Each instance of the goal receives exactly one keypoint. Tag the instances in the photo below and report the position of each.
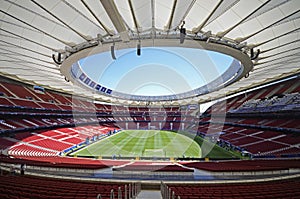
(154, 153)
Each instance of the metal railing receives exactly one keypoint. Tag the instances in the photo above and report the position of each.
(167, 193)
(130, 192)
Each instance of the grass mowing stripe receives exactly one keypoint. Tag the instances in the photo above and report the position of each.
(108, 146)
(133, 145)
(121, 142)
(134, 142)
(149, 144)
(124, 146)
(184, 145)
(176, 146)
(158, 141)
(167, 137)
(139, 146)
(173, 148)
(126, 143)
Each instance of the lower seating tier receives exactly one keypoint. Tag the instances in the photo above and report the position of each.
(245, 165)
(16, 187)
(265, 190)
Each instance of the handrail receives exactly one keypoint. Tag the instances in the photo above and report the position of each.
(112, 195)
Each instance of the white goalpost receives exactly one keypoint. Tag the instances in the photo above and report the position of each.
(154, 153)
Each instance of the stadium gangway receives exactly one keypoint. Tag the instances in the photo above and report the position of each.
(129, 193)
(166, 192)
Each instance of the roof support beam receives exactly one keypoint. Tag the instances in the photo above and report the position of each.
(199, 28)
(257, 32)
(186, 12)
(116, 18)
(28, 24)
(168, 26)
(280, 53)
(36, 13)
(153, 33)
(275, 38)
(276, 47)
(32, 64)
(46, 10)
(20, 54)
(37, 43)
(297, 55)
(39, 67)
(21, 47)
(280, 63)
(79, 12)
(97, 19)
(134, 18)
(222, 34)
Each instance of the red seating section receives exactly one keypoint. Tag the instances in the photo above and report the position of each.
(4, 143)
(23, 150)
(290, 86)
(18, 90)
(264, 190)
(15, 187)
(245, 165)
(19, 95)
(254, 140)
(268, 132)
(49, 143)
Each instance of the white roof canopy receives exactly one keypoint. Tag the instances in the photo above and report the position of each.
(31, 31)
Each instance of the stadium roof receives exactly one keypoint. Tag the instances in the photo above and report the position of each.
(32, 31)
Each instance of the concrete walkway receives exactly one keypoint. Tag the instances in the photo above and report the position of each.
(149, 194)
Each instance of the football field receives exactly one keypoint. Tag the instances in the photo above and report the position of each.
(143, 143)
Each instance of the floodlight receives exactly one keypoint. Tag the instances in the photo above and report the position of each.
(138, 49)
(112, 51)
(58, 60)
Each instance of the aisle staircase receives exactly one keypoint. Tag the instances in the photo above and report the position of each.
(149, 194)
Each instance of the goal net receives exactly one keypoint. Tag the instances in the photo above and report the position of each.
(154, 153)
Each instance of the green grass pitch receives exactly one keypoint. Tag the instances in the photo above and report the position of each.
(143, 143)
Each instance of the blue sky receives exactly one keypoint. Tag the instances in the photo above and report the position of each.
(158, 71)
